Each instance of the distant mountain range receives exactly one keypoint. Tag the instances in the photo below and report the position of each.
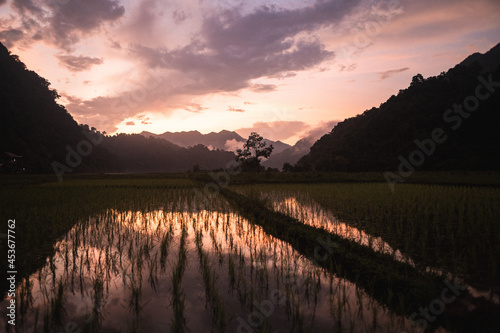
(223, 140)
(230, 140)
(446, 122)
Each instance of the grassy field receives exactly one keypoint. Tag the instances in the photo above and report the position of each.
(154, 239)
(455, 228)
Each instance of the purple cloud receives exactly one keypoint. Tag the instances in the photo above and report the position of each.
(78, 63)
(232, 49)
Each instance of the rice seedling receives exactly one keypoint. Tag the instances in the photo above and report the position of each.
(211, 290)
(445, 227)
(133, 243)
(178, 298)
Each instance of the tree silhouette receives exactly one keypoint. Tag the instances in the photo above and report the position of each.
(254, 150)
(417, 79)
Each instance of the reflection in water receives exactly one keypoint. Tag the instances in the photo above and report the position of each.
(183, 268)
(300, 206)
(309, 212)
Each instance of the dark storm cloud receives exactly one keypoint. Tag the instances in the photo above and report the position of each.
(232, 49)
(142, 20)
(224, 71)
(78, 63)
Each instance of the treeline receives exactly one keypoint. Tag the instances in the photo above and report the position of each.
(33, 125)
(398, 131)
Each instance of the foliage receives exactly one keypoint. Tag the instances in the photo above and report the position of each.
(454, 228)
(373, 140)
(124, 230)
(137, 153)
(36, 127)
(376, 272)
(254, 150)
(33, 124)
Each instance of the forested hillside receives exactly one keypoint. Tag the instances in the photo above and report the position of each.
(464, 103)
(38, 135)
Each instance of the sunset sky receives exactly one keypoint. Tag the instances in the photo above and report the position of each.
(281, 68)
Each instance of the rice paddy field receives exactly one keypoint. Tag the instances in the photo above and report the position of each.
(163, 254)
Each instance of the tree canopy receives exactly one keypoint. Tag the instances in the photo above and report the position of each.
(253, 151)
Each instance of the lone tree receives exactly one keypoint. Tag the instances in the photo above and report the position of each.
(254, 150)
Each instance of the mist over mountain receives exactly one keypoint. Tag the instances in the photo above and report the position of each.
(302, 147)
(223, 140)
(457, 110)
(290, 155)
(193, 138)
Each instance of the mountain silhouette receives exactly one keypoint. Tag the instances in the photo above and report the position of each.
(223, 140)
(140, 154)
(37, 135)
(34, 126)
(193, 138)
(488, 61)
(391, 136)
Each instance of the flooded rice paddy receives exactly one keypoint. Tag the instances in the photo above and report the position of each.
(195, 268)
